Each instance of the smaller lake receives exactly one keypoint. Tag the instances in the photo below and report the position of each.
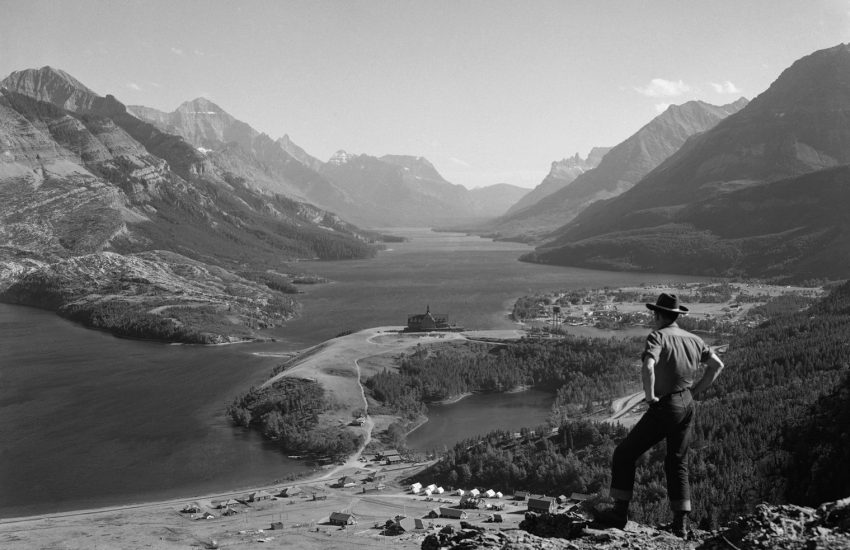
(478, 414)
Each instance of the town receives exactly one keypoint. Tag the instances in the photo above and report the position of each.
(719, 308)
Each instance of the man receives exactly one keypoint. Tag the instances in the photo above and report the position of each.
(670, 360)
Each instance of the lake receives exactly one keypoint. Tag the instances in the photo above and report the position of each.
(88, 420)
(480, 413)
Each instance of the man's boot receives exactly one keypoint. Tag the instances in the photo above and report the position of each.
(680, 526)
(617, 516)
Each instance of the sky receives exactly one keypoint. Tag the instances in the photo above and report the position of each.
(490, 91)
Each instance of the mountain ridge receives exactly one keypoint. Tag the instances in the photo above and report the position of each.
(618, 170)
(798, 126)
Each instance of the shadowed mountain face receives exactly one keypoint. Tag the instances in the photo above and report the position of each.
(80, 177)
(755, 195)
(617, 171)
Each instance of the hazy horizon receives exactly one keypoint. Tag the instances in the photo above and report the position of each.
(489, 92)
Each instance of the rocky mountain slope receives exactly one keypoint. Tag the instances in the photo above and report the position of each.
(562, 173)
(622, 167)
(742, 198)
(80, 176)
(234, 146)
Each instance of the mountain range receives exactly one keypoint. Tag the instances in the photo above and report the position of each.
(562, 198)
(88, 192)
(760, 194)
(392, 190)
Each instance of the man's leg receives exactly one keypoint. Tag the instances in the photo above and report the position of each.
(676, 466)
(646, 433)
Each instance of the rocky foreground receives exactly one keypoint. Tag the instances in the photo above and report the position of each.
(786, 527)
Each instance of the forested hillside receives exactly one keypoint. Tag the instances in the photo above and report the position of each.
(287, 412)
(597, 369)
(773, 428)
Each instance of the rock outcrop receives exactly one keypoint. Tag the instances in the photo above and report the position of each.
(785, 527)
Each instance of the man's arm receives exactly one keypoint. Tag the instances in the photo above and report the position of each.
(715, 365)
(647, 374)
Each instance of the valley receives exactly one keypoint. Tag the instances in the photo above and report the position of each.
(138, 244)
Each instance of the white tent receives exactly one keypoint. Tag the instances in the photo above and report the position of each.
(499, 494)
(431, 487)
(415, 486)
(460, 492)
(428, 492)
(475, 492)
(440, 491)
(490, 493)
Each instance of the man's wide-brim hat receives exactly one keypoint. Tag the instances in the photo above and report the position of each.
(669, 303)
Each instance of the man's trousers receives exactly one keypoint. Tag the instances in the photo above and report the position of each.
(670, 418)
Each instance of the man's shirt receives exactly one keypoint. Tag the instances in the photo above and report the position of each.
(677, 355)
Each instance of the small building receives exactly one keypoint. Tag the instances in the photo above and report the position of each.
(276, 526)
(259, 495)
(346, 481)
(562, 499)
(229, 512)
(452, 513)
(342, 518)
(497, 518)
(226, 503)
(193, 508)
(388, 453)
(405, 523)
(435, 513)
(541, 504)
(578, 497)
(521, 495)
(417, 524)
(394, 459)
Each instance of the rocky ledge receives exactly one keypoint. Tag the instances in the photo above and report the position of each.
(785, 527)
